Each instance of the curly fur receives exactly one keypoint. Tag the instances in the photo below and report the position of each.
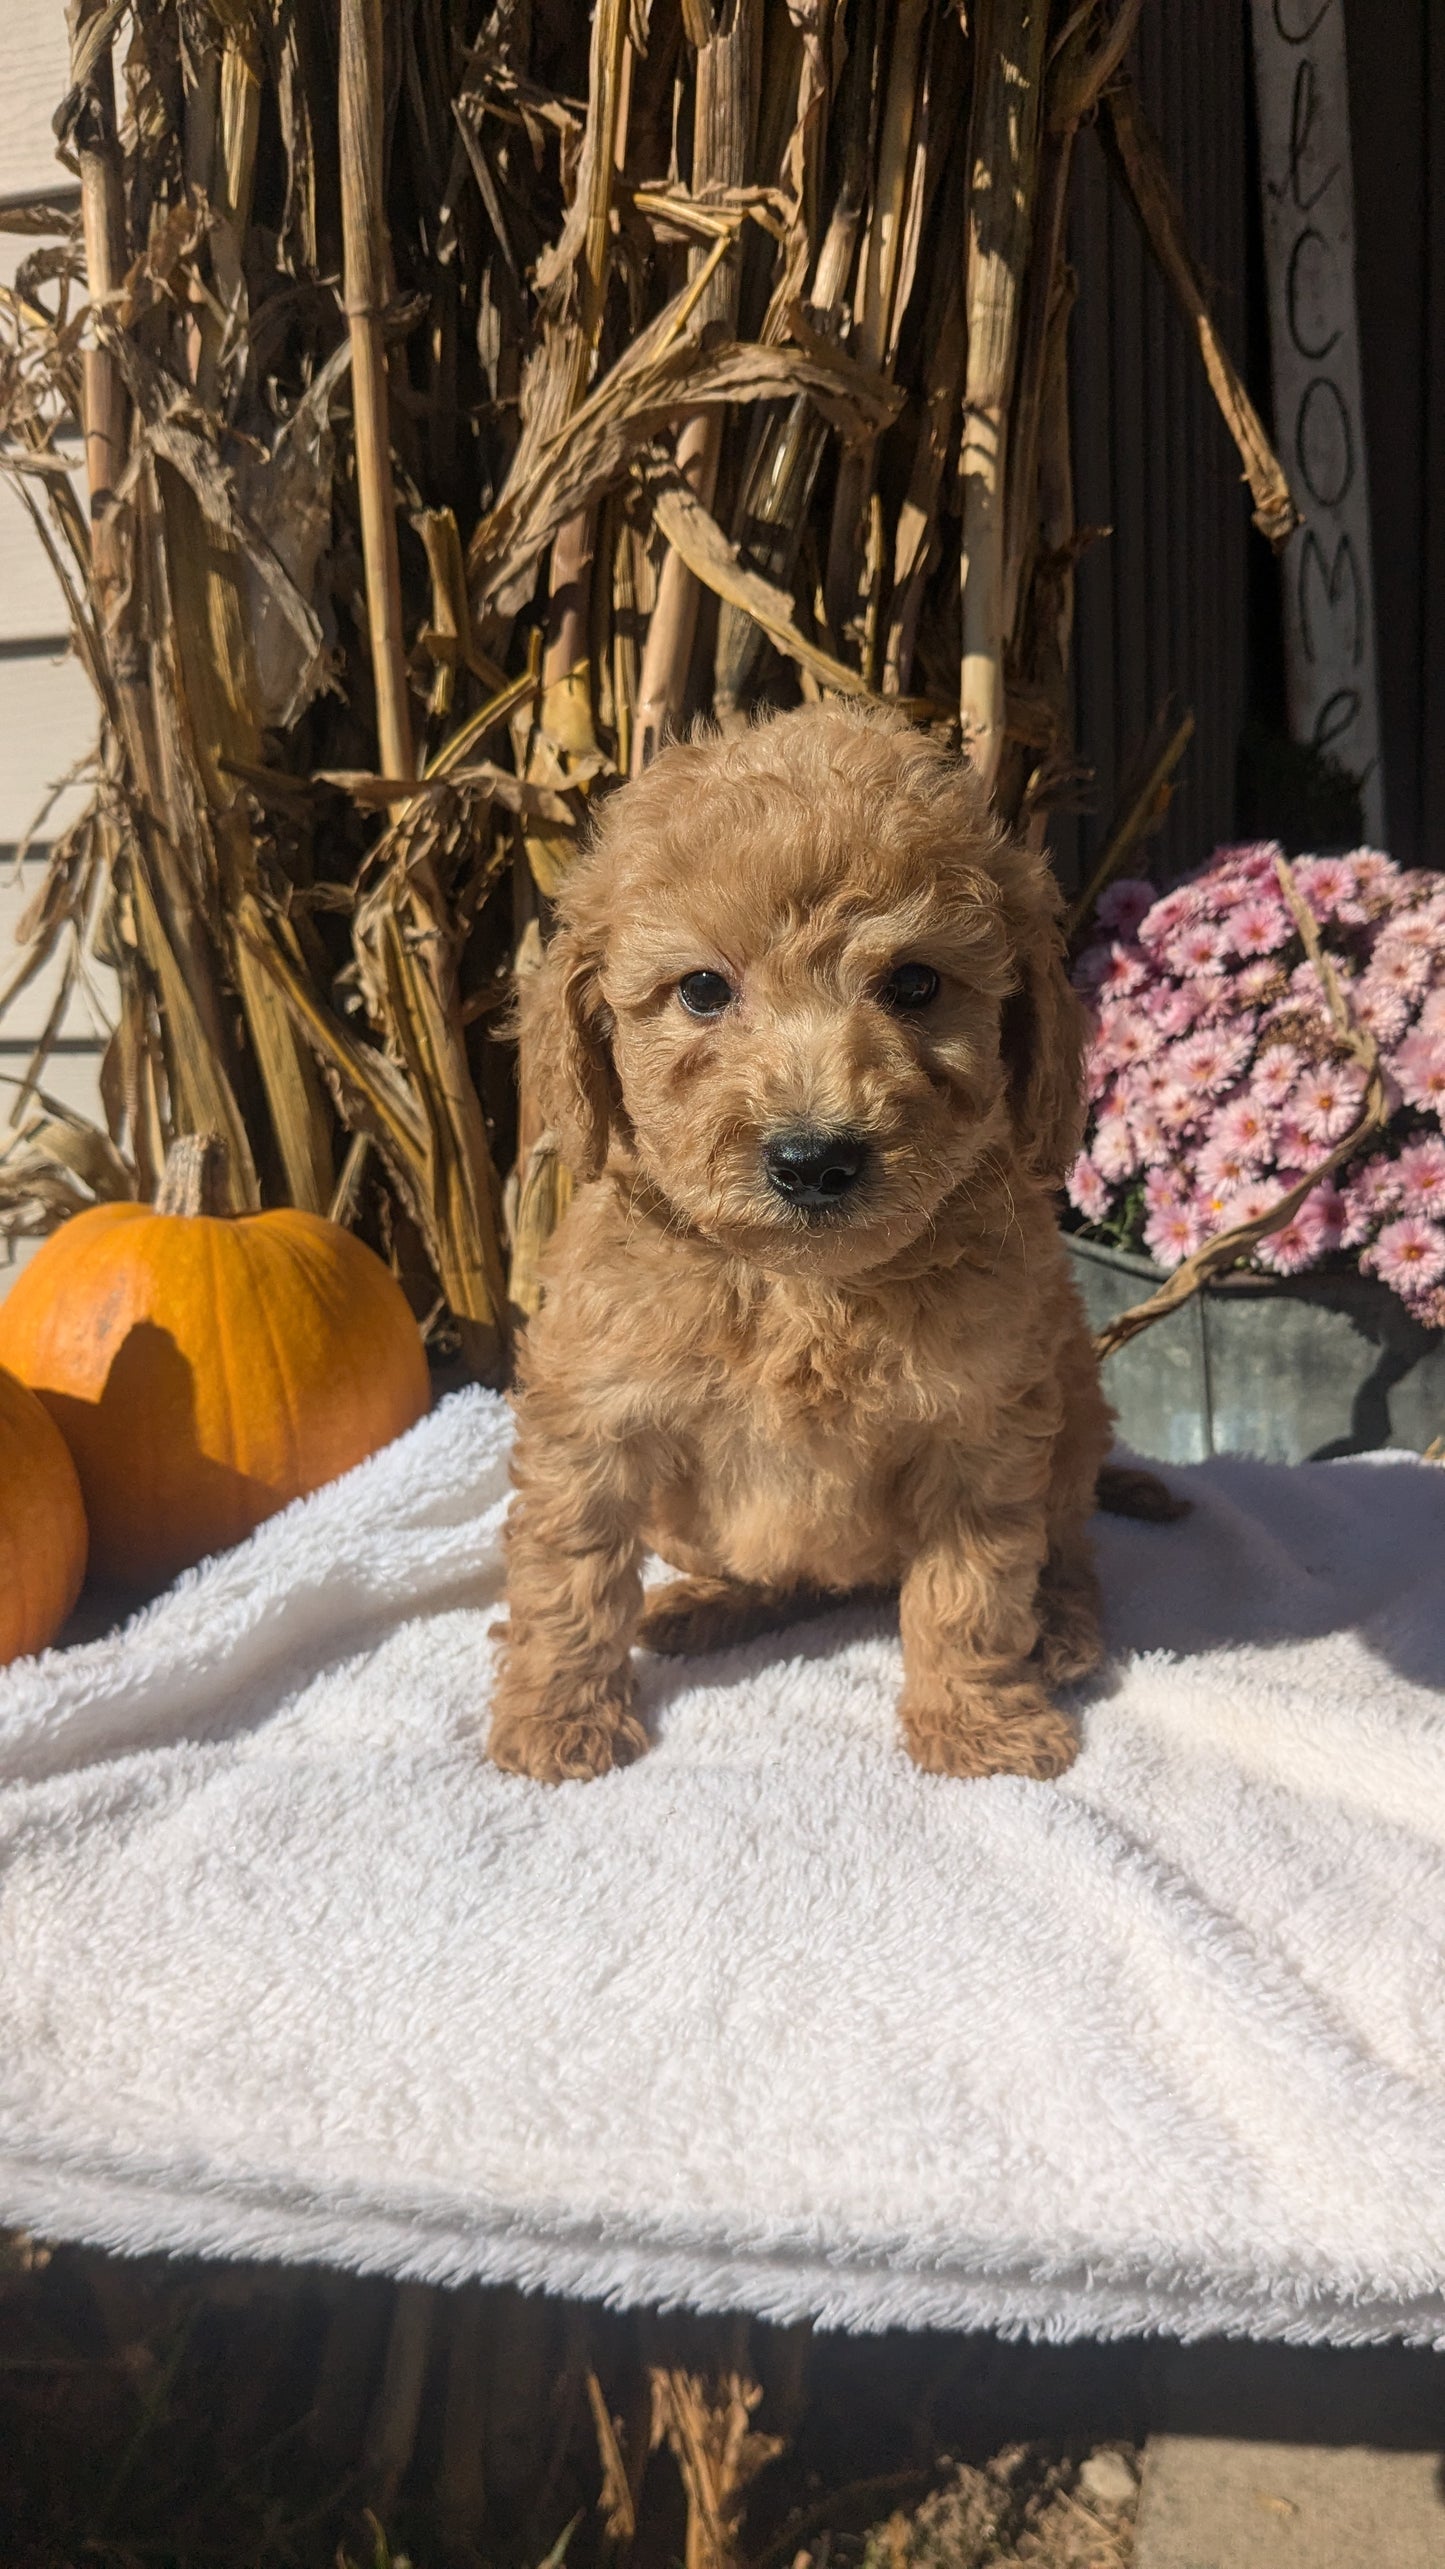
(899, 1394)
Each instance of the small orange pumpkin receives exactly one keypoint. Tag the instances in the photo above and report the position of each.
(204, 1371)
(42, 1525)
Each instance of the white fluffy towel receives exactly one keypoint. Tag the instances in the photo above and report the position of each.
(770, 2020)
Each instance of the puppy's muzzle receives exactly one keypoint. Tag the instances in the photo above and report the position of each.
(814, 1171)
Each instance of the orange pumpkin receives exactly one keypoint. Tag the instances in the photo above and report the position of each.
(42, 1525)
(204, 1371)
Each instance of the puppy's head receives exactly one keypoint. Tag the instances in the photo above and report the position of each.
(805, 983)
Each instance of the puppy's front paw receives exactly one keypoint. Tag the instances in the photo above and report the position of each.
(973, 1728)
(565, 1747)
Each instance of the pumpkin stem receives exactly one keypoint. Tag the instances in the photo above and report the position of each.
(194, 1179)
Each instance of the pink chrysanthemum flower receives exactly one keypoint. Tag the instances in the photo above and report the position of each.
(1274, 1074)
(1125, 970)
(1211, 1059)
(1326, 1101)
(1253, 860)
(1420, 1171)
(1325, 881)
(1293, 1148)
(1123, 905)
(1197, 950)
(1247, 1124)
(1136, 1084)
(1151, 1141)
(1087, 1190)
(1177, 1106)
(1124, 1038)
(1412, 932)
(1289, 1250)
(1409, 1254)
(1297, 1244)
(1428, 1306)
(1173, 1012)
(1375, 881)
(1171, 912)
(1165, 1187)
(1258, 927)
(1398, 966)
(1432, 1014)
(1221, 1167)
(1210, 1204)
(1220, 1004)
(1250, 1200)
(1380, 1006)
(1173, 1234)
(1326, 1209)
(1419, 1067)
(1113, 1148)
(1372, 1192)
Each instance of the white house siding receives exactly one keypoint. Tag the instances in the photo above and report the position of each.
(34, 53)
(47, 719)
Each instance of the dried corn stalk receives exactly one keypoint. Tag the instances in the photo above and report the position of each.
(727, 43)
(708, 2426)
(687, 356)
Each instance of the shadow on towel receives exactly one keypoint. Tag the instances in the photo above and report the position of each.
(1272, 1554)
(1276, 1554)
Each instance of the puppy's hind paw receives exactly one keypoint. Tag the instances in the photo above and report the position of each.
(565, 1748)
(1070, 1644)
(690, 1616)
(1008, 1728)
(1123, 1490)
(1067, 1655)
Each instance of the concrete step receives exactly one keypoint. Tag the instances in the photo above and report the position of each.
(1268, 2458)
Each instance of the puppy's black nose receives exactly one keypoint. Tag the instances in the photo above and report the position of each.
(814, 1169)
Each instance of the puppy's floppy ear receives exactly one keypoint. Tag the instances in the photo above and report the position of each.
(1044, 1022)
(565, 1027)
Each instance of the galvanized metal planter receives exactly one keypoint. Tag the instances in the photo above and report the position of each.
(1294, 1371)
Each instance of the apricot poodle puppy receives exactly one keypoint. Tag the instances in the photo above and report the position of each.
(806, 1042)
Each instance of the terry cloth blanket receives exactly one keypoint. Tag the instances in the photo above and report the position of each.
(770, 2020)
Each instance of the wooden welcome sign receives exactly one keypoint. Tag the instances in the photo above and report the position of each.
(1309, 236)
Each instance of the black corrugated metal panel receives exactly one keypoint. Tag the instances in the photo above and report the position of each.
(1161, 602)
(1430, 842)
(1397, 118)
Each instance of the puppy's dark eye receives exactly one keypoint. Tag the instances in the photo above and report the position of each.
(705, 994)
(909, 986)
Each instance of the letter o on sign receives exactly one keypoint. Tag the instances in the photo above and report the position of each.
(1323, 443)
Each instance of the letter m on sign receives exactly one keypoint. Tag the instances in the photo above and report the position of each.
(1331, 600)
